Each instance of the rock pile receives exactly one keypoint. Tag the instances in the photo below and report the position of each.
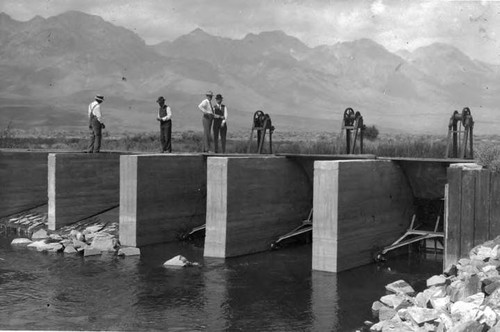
(27, 222)
(466, 297)
(87, 240)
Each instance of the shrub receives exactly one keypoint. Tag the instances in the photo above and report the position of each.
(488, 155)
(371, 133)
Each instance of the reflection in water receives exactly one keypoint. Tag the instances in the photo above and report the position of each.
(324, 301)
(268, 291)
(215, 296)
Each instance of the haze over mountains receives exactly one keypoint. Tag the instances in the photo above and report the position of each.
(50, 69)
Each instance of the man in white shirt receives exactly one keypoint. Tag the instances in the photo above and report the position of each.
(95, 124)
(208, 117)
(220, 124)
(165, 118)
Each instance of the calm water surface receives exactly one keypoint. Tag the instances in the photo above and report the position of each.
(272, 291)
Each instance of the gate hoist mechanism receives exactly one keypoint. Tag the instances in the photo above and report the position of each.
(261, 123)
(352, 124)
(304, 228)
(460, 135)
(416, 233)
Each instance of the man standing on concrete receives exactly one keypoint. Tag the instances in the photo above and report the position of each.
(95, 124)
(165, 118)
(220, 124)
(208, 117)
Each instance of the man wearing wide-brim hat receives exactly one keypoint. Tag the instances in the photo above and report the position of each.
(165, 118)
(96, 124)
(207, 119)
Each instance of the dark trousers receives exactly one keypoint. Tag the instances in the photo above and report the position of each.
(222, 130)
(207, 128)
(166, 135)
(95, 136)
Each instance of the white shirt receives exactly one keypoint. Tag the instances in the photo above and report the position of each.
(94, 107)
(206, 107)
(168, 116)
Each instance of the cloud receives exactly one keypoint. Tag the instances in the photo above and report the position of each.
(396, 24)
(377, 7)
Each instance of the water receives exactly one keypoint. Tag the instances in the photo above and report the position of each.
(271, 291)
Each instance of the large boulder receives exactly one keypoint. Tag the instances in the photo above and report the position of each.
(493, 300)
(104, 242)
(400, 286)
(488, 317)
(48, 247)
(39, 234)
(55, 237)
(70, 250)
(490, 288)
(79, 244)
(386, 313)
(464, 311)
(440, 303)
(177, 261)
(91, 252)
(392, 300)
(468, 326)
(422, 315)
(21, 242)
(376, 308)
(436, 280)
(129, 251)
(93, 229)
(37, 244)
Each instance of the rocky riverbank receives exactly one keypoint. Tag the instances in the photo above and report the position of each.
(465, 298)
(89, 237)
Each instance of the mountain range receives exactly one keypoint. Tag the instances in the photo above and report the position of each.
(50, 69)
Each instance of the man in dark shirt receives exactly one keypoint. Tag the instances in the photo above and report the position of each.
(165, 118)
(220, 124)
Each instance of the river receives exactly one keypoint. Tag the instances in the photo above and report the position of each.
(270, 291)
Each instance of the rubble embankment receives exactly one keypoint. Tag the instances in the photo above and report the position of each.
(465, 298)
(89, 237)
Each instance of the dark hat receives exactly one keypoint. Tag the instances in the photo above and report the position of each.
(160, 98)
(209, 93)
(219, 96)
(99, 98)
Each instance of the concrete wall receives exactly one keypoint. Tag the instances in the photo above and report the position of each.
(359, 207)
(161, 196)
(23, 180)
(81, 185)
(251, 201)
(427, 176)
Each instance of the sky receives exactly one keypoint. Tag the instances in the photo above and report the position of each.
(471, 26)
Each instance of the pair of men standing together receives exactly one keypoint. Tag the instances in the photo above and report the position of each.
(212, 115)
(216, 116)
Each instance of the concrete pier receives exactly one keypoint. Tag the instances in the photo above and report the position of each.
(251, 201)
(160, 197)
(23, 180)
(81, 185)
(359, 207)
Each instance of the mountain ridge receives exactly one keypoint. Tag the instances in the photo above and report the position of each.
(63, 60)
